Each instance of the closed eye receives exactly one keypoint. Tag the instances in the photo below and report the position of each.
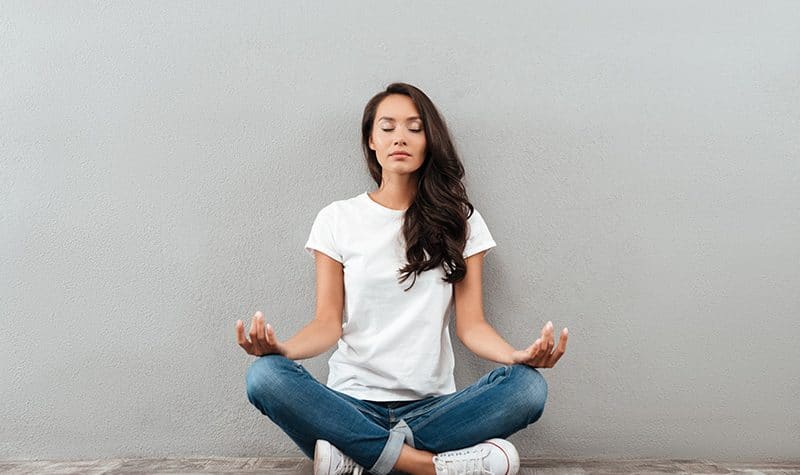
(412, 130)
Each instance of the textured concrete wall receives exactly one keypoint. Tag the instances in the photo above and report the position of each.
(637, 163)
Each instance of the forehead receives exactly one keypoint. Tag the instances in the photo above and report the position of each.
(397, 107)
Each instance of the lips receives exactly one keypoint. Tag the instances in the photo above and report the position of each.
(399, 154)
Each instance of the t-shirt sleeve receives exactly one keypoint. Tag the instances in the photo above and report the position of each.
(322, 236)
(478, 238)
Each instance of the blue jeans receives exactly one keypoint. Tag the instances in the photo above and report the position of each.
(502, 402)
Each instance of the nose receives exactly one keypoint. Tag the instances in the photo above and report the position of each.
(399, 138)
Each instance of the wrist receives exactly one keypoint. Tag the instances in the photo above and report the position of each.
(286, 351)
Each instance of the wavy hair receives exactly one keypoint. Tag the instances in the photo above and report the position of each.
(435, 225)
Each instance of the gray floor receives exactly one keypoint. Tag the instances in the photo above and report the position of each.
(287, 466)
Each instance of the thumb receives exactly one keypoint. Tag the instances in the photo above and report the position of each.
(532, 346)
(518, 356)
(531, 350)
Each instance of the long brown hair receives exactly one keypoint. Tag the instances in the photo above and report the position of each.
(435, 225)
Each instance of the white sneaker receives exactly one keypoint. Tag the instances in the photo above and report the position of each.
(328, 460)
(494, 456)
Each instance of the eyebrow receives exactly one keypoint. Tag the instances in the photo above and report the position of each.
(414, 117)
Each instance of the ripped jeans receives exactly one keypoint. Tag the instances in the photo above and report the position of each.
(502, 402)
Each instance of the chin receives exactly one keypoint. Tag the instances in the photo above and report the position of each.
(403, 167)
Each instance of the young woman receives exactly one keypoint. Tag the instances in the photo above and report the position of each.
(390, 403)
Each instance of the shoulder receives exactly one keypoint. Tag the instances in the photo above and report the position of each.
(338, 205)
(475, 215)
(476, 218)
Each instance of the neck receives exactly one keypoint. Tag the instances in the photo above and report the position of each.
(396, 192)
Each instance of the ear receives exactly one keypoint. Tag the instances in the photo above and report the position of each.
(371, 145)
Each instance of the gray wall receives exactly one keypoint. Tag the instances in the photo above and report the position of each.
(636, 162)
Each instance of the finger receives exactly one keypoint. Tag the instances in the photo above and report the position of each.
(535, 349)
(267, 336)
(253, 330)
(271, 335)
(262, 333)
(536, 358)
(562, 346)
(549, 339)
(254, 334)
(262, 338)
(240, 338)
(553, 358)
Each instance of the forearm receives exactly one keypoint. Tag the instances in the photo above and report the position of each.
(485, 342)
(313, 339)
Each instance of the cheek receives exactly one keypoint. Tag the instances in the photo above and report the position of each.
(380, 142)
(423, 144)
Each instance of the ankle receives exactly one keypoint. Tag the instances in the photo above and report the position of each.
(416, 462)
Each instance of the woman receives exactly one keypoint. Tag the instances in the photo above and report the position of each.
(390, 403)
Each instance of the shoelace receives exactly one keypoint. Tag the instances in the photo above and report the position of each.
(347, 465)
(462, 462)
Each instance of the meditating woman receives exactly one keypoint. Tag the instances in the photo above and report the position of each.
(390, 403)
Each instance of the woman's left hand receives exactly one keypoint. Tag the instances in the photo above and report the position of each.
(540, 354)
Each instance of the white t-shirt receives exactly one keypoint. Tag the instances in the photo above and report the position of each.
(395, 345)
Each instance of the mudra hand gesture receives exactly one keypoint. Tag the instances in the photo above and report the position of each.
(540, 354)
(262, 340)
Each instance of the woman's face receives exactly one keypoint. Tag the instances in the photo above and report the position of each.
(398, 128)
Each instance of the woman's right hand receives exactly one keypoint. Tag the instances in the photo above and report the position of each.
(262, 341)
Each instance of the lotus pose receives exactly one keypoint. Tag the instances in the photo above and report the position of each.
(391, 264)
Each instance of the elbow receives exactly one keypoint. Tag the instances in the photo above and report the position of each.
(333, 328)
(467, 326)
(331, 322)
(462, 333)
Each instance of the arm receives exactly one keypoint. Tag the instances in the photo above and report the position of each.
(326, 328)
(471, 327)
(317, 336)
(477, 335)
(313, 339)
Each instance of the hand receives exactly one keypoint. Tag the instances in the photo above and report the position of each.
(263, 341)
(539, 355)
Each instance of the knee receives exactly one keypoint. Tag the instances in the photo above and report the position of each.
(266, 377)
(532, 391)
